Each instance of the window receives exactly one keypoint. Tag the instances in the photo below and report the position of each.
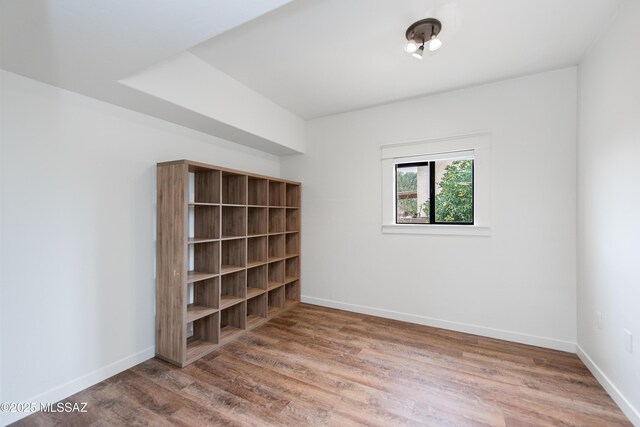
(435, 192)
(439, 186)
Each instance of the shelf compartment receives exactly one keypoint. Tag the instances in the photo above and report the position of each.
(234, 189)
(232, 321)
(257, 279)
(195, 312)
(204, 186)
(195, 276)
(276, 220)
(204, 221)
(258, 191)
(234, 221)
(256, 309)
(276, 193)
(203, 261)
(292, 291)
(256, 250)
(276, 247)
(275, 274)
(257, 221)
(291, 269)
(293, 195)
(293, 219)
(203, 337)
(292, 244)
(203, 298)
(232, 287)
(275, 301)
(233, 255)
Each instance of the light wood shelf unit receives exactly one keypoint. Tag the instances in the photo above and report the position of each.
(227, 255)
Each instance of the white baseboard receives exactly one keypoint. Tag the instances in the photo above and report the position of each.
(632, 413)
(446, 324)
(74, 386)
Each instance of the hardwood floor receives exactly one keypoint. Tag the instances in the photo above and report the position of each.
(317, 366)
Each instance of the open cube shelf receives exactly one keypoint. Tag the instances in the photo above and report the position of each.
(256, 309)
(234, 221)
(203, 298)
(276, 274)
(291, 269)
(276, 220)
(276, 247)
(204, 260)
(276, 193)
(234, 256)
(204, 222)
(292, 244)
(257, 278)
(258, 192)
(292, 293)
(256, 251)
(275, 301)
(257, 221)
(203, 337)
(293, 195)
(234, 189)
(204, 185)
(293, 220)
(232, 233)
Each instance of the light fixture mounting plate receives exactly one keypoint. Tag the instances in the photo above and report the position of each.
(421, 31)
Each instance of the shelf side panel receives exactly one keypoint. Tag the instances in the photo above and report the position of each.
(171, 261)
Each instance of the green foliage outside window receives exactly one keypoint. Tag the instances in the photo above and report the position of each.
(454, 198)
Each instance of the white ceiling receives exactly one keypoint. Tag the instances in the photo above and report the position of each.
(311, 57)
(317, 58)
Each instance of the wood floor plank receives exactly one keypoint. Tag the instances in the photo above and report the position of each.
(318, 366)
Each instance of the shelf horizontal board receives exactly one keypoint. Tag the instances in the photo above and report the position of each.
(203, 204)
(274, 285)
(227, 333)
(234, 205)
(253, 321)
(292, 255)
(255, 263)
(275, 258)
(229, 300)
(195, 240)
(254, 292)
(226, 269)
(257, 206)
(290, 279)
(196, 276)
(233, 237)
(198, 348)
(257, 235)
(195, 312)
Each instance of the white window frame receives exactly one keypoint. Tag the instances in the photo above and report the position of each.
(476, 145)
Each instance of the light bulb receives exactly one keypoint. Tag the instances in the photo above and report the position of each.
(418, 53)
(410, 47)
(434, 44)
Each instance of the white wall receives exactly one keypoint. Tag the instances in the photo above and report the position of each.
(609, 208)
(517, 284)
(78, 194)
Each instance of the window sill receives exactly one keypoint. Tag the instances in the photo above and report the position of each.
(452, 230)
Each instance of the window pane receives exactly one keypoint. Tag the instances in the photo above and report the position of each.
(454, 191)
(412, 194)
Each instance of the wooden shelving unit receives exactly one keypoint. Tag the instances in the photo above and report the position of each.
(227, 255)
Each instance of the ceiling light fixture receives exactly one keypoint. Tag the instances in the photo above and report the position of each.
(421, 33)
